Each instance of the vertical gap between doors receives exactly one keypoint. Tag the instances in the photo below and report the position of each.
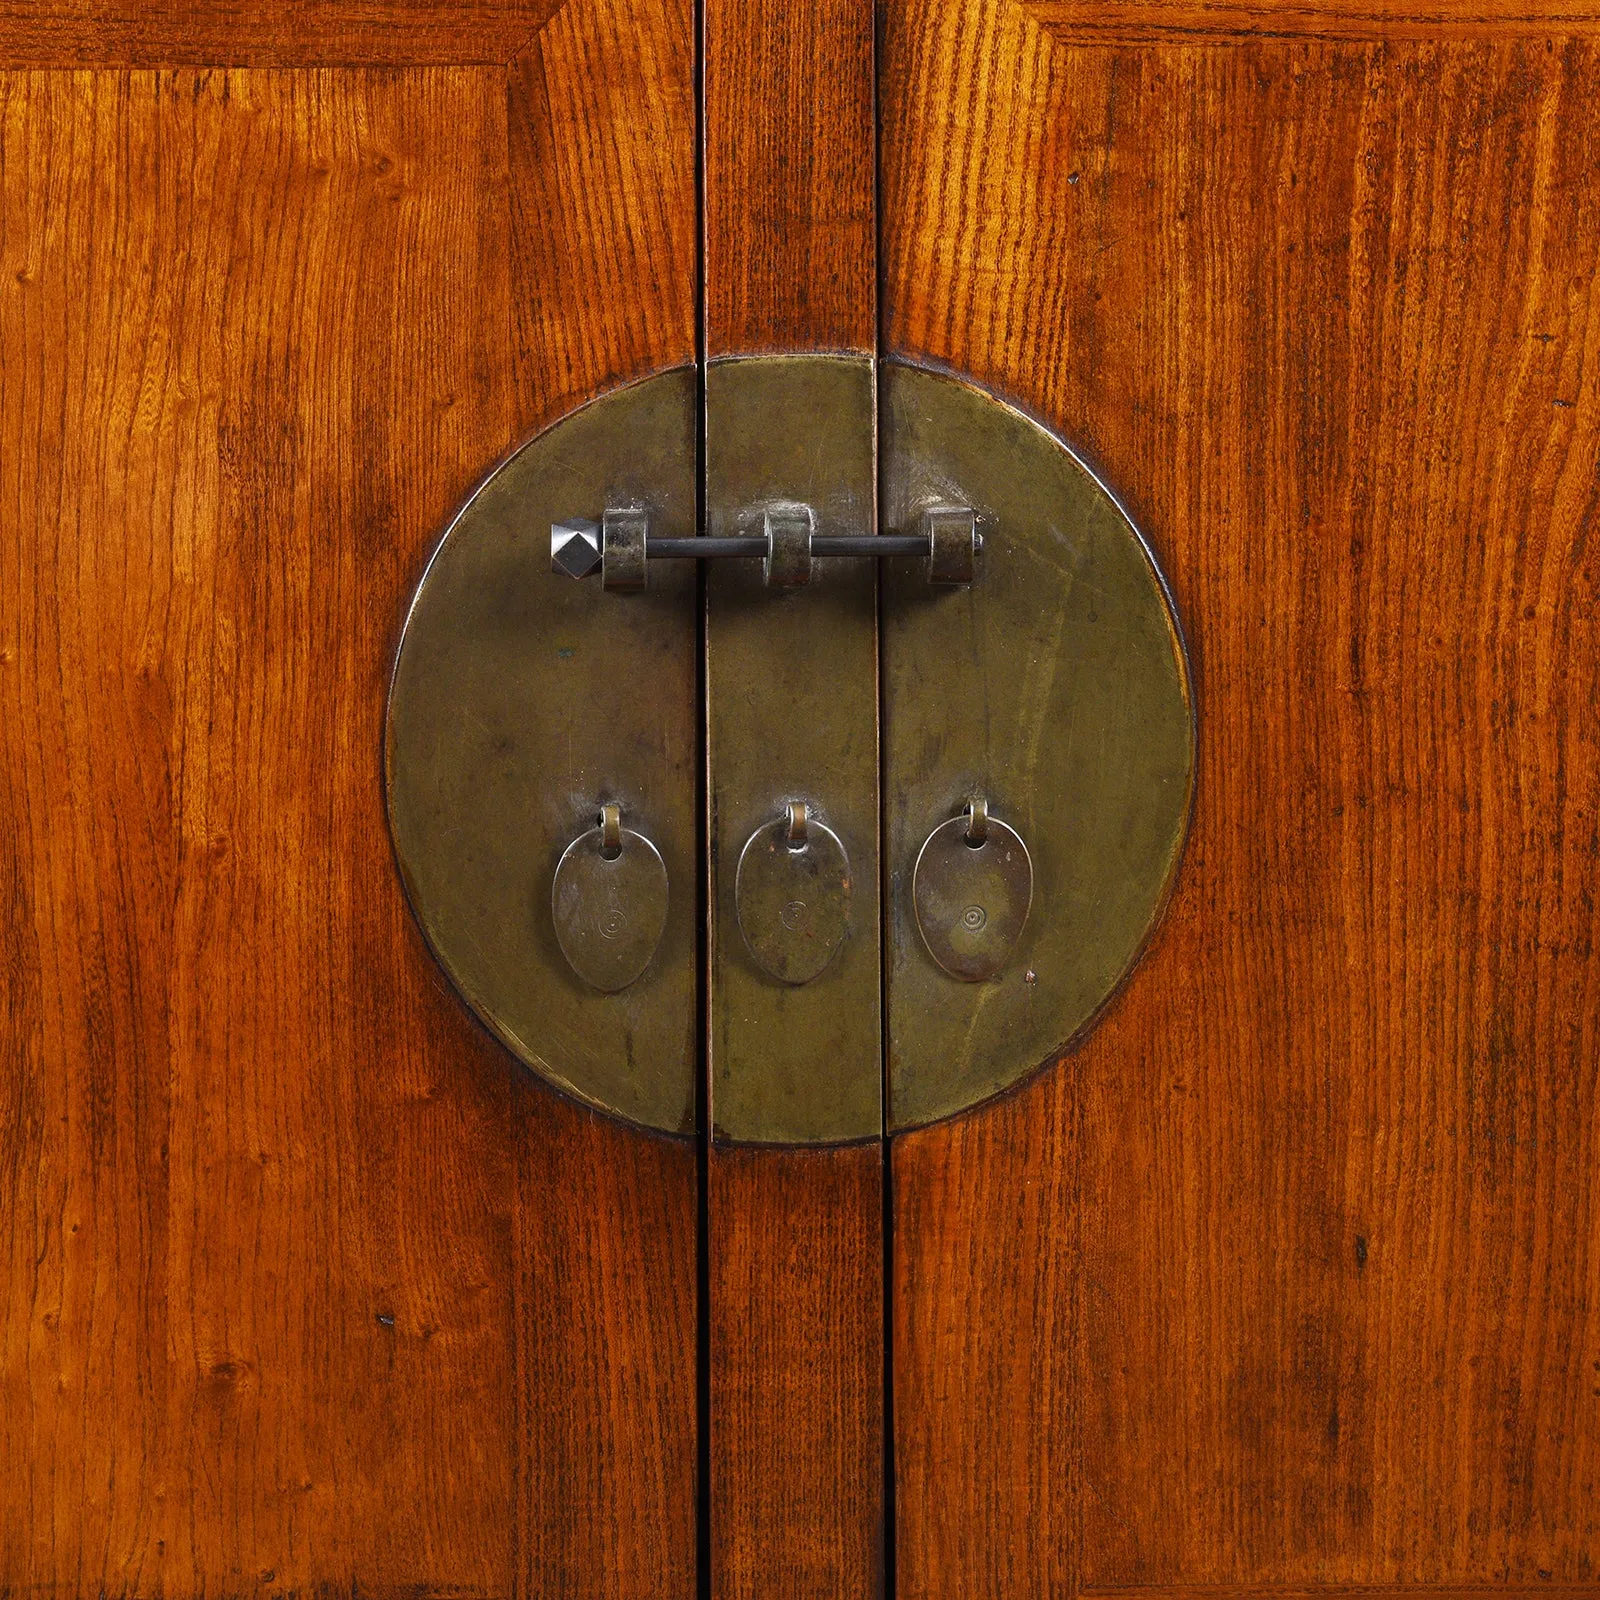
(885, 874)
(702, 886)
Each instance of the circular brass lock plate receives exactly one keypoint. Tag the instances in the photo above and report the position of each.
(522, 703)
(1056, 686)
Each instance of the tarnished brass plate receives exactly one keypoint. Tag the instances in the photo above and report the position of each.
(522, 702)
(1056, 685)
(792, 715)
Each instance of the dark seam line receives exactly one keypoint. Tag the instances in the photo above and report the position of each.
(885, 904)
(703, 878)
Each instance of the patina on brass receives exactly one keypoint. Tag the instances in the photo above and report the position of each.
(792, 713)
(971, 889)
(793, 895)
(609, 902)
(1056, 686)
(522, 704)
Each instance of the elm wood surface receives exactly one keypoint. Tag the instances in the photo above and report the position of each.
(290, 1249)
(1348, 1591)
(1154, 21)
(270, 33)
(794, 1238)
(603, 210)
(1326, 315)
(796, 1343)
(790, 246)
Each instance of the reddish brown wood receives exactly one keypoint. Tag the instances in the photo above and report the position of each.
(603, 200)
(601, 124)
(1327, 315)
(796, 1295)
(986, 1271)
(1155, 21)
(303, 1284)
(266, 33)
(795, 1238)
(605, 1288)
(257, 1225)
(790, 246)
(1349, 1591)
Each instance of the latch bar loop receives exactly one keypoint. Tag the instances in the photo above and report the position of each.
(579, 547)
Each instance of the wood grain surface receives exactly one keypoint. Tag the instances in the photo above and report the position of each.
(303, 1284)
(795, 1238)
(796, 1344)
(268, 33)
(603, 207)
(1325, 314)
(790, 248)
(1161, 21)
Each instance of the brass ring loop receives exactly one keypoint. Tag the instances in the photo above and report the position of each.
(610, 830)
(977, 834)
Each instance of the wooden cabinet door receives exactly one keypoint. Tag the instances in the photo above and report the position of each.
(1287, 1281)
(305, 1286)
(1284, 1282)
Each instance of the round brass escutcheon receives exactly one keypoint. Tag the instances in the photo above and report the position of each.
(1031, 668)
(1056, 686)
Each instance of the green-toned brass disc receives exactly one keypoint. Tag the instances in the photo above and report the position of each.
(1056, 686)
(523, 701)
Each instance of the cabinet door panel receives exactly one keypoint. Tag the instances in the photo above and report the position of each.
(306, 1284)
(1324, 311)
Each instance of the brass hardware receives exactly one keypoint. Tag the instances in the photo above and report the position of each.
(953, 544)
(793, 895)
(575, 547)
(798, 816)
(504, 728)
(976, 829)
(611, 831)
(787, 530)
(971, 888)
(792, 710)
(1034, 686)
(1056, 686)
(622, 559)
(609, 902)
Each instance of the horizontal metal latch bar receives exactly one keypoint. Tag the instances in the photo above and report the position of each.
(881, 545)
(620, 546)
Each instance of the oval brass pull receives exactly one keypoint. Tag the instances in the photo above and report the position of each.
(609, 901)
(972, 889)
(793, 895)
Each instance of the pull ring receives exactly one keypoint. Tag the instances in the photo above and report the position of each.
(798, 814)
(977, 829)
(609, 901)
(610, 821)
